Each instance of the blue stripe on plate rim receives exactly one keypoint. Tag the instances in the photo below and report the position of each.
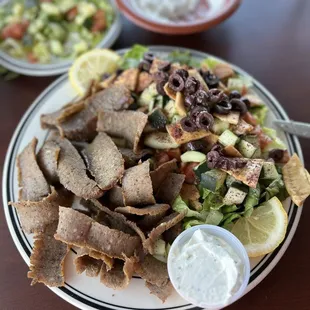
(71, 294)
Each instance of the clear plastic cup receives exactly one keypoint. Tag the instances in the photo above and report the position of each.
(236, 246)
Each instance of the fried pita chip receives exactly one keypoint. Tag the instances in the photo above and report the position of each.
(119, 276)
(180, 136)
(170, 188)
(47, 160)
(128, 78)
(77, 229)
(105, 162)
(160, 173)
(47, 258)
(125, 124)
(165, 224)
(144, 80)
(36, 215)
(137, 185)
(30, 178)
(162, 292)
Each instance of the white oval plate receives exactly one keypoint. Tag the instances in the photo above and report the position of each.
(88, 293)
(59, 66)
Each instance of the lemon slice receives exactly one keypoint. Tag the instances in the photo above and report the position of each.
(91, 66)
(264, 230)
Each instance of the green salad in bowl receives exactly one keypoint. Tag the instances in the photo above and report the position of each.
(44, 31)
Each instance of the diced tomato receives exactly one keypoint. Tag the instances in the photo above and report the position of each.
(99, 21)
(249, 118)
(71, 14)
(187, 170)
(15, 31)
(32, 58)
(174, 153)
(264, 140)
(161, 158)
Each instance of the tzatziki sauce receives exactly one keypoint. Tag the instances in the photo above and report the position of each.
(206, 269)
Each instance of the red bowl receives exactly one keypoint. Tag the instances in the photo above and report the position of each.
(185, 27)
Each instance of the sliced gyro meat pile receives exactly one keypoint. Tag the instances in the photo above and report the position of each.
(32, 183)
(125, 124)
(77, 229)
(81, 125)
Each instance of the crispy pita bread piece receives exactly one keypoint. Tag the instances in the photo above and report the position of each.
(105, 162)
(83, 262)
(77, 229)
(161, 173)
(165, 224)
(36, 215)
(47, 258)
(72, 171)
(124, 124)
(137, 185)
(162, 292)
(144, 80)
(152, 270)
(81, 126)
(170, 188)
(132, 159)
(47, 160)
(119, 276)
(128, 78)
(181, 136)
(149, 210)
(30, 178)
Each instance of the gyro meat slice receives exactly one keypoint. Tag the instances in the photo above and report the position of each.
(105, 162)
(47, 258)
(165, 224)
(77, 229)
(36, 215)
(137, 185)
(160, 173)
(131, 158)
(162, 292)
(72, 171)
(119, 276)
(170, 188)
(47, 160)
(148, 222)
(84, 262)
(149, 210)
(31, 180)
(125, 124)
(152, 270)
(115, 197)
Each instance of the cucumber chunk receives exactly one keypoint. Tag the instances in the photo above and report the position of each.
(228, 138)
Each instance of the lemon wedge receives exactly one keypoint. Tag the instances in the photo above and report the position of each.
(264, 230)
(91, 66)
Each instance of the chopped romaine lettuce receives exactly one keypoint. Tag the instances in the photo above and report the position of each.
(180, 206)
(251, 200)
(210, 63)
(133, 56)
(276, 188)
(229, 218)
(241, 84)
(276, 143)
(259, 113)
(229, 209)
(213, 201)
(184, 58)
(213, 217)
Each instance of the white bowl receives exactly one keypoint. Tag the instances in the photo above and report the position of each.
(232, 241)
(59, 66)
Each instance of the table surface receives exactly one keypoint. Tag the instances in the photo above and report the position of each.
(271, 42)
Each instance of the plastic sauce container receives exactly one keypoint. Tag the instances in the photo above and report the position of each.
(215, 258)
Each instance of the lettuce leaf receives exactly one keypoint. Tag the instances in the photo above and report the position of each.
(276, 188)
(179, 205)
(184, 58)
(259, 114)
(133, 56)
(252, 200)
(213, 202)
(210, 62)
(276, 143)
(214, 217)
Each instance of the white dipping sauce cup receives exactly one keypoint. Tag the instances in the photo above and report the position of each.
(236, 245)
